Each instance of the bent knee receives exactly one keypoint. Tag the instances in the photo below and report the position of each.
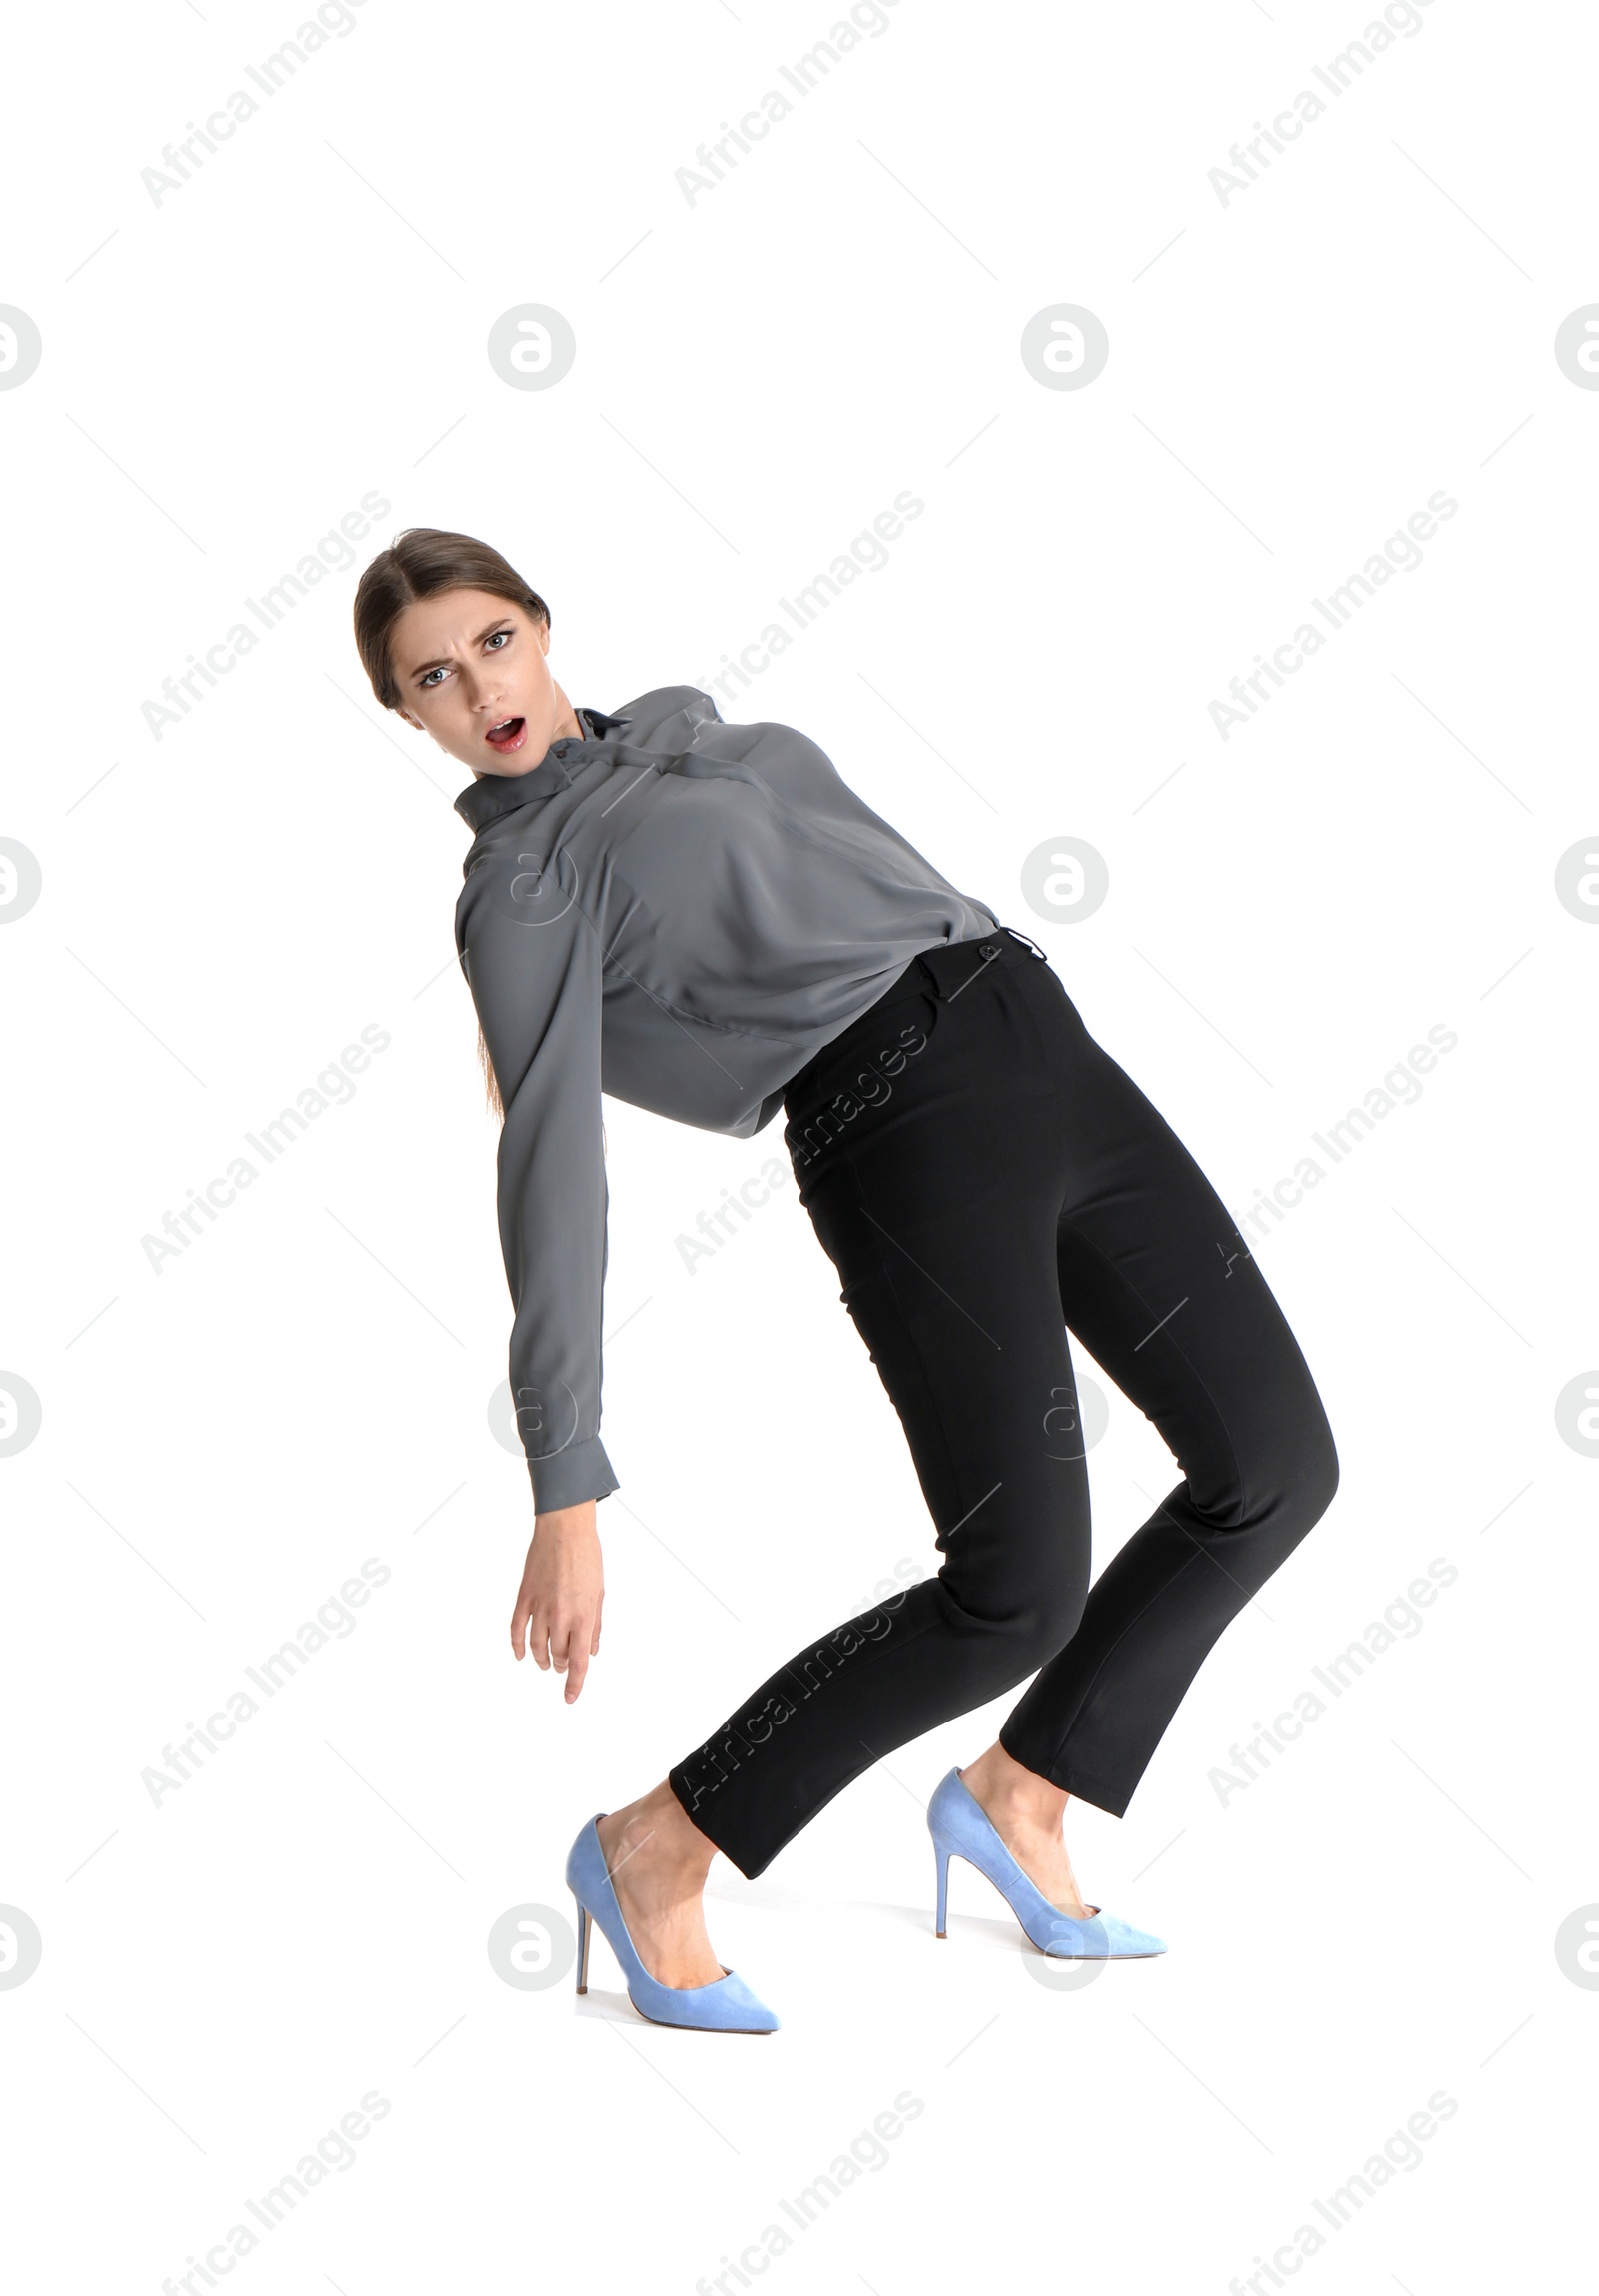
(1288, 1481)
(1303, 1481)
(1313, 1483)
(1024, 1629)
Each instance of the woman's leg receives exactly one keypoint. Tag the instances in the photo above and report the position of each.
(927, 1143)
(1161, 1287)
(980, 1175)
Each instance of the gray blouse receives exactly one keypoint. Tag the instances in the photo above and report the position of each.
(681, 913)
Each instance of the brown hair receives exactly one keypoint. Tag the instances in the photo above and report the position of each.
(420, 562)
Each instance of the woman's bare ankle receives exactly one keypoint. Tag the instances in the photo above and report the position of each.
(1004, 1788)
(656, 1836)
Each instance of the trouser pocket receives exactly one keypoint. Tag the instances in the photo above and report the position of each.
(859, 1075)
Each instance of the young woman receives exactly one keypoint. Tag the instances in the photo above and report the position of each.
(705, 920)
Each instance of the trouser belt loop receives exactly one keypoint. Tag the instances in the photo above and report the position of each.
(952, 968)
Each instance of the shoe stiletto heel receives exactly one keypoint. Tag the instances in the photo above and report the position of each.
(727, 2006)
(962, 1828)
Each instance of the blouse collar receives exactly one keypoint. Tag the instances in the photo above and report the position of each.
(491, 795)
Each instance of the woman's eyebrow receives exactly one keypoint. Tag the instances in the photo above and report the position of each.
(420, 666)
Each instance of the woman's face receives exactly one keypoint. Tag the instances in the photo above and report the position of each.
(471, 672)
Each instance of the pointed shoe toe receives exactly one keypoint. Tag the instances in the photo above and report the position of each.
(727, 2006)
(1103, 1937)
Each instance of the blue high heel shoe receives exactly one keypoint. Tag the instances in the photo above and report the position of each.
(962, 1828)
(727, 2006)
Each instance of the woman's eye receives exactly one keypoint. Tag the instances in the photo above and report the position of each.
(428, 678)
(498, 635)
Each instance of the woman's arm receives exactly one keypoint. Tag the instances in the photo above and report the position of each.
(532, 961)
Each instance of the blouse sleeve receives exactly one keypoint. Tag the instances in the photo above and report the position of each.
(531, 961)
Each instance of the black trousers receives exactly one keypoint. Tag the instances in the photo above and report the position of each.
(984, 1177)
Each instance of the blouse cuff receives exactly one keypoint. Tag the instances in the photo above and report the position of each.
(582, 1471)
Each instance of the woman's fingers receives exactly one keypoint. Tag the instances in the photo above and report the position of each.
(571, 1646)
(577, 1664)
(528, 1618)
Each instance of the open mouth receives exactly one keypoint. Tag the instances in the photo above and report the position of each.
(507, 735)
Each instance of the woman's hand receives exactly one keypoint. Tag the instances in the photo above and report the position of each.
(561, 1591)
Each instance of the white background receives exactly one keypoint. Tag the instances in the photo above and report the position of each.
(1292, 373)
